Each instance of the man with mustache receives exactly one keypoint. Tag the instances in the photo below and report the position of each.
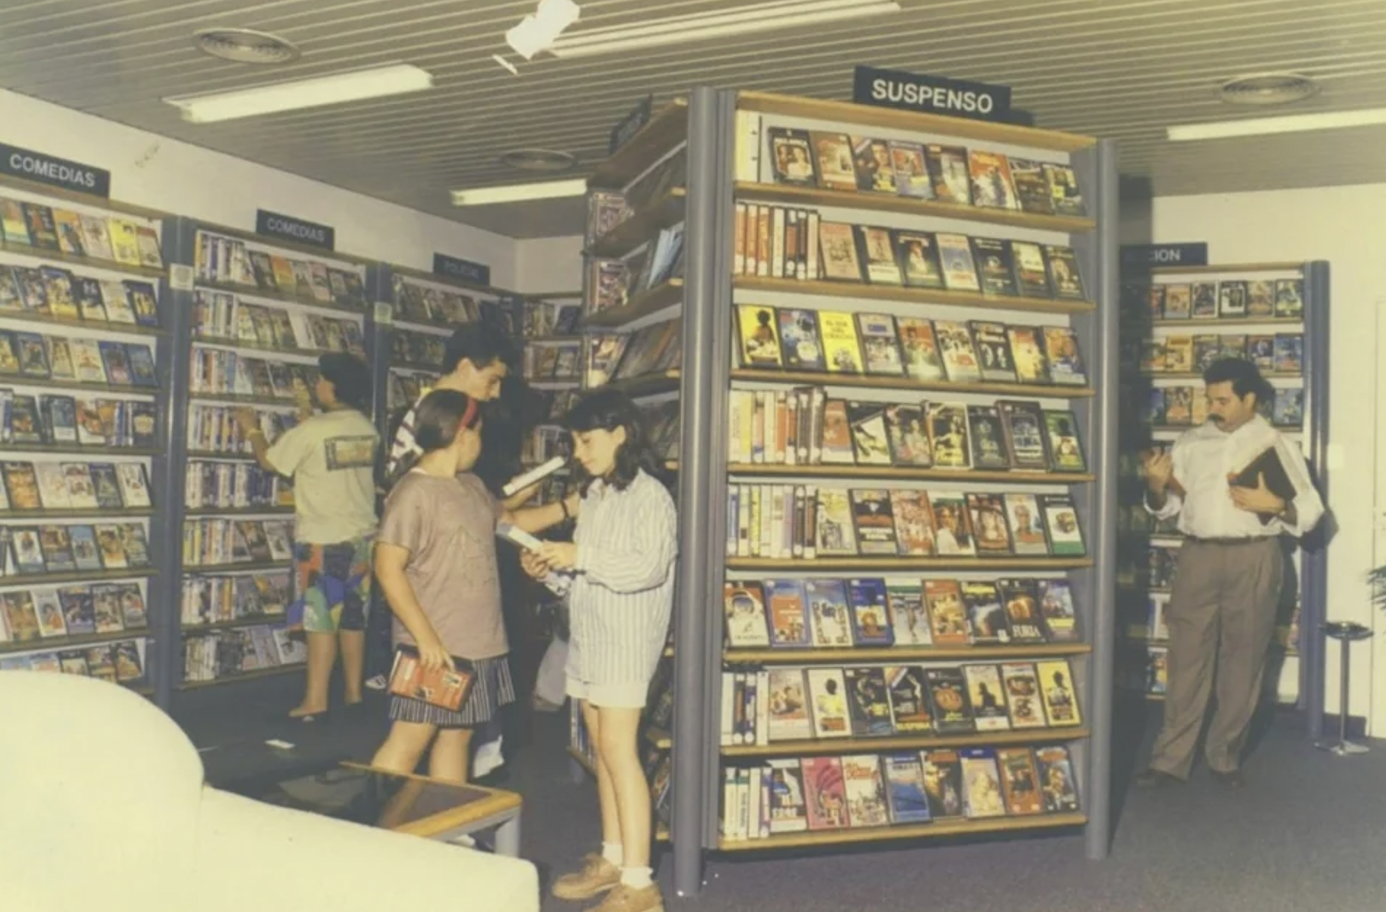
(1221, 613)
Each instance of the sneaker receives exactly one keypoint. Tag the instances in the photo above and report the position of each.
(377, 683)
(631, 899)
(596, 877)
(488, 759)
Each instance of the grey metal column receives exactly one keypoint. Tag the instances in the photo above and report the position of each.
(378, 331)
(1099, 334)
(171, 468)
(1313, 599)
(702, 482)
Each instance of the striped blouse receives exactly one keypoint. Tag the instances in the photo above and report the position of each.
(621, 593)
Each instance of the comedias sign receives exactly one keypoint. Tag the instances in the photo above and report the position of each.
(56, 172)
(272, 224)
(931, 94)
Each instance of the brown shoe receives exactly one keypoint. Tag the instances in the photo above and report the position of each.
(596, 877)
(629, 899)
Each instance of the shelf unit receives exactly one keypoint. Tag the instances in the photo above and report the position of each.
(648, 176)
(709, 375)
(251, 316)
(1159, 330)
(84, 311)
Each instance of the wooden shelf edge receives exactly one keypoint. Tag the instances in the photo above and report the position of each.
(1228, 269)
(909, 205)
(666, 128)
(942, 828)
(582, 761)
(19, 516)
(1227, 321)
(893, 119)
(245, 676)
(78, 576)
(883, 381)
(890, 743)
(864, 563)
(904, 654)
(903, 473)
(908, 295)
(67, 641)
(642, 305)
(639, 228)
(115, 328)
(279, 297)
(76, 449)
(194, 629)
(82, 199)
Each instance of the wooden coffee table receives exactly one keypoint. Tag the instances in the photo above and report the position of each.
(416, 805)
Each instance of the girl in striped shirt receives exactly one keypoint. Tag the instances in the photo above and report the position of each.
(619, 576)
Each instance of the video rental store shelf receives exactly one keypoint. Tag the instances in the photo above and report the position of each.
(82, 341)
(1175, 321)
(897, 396)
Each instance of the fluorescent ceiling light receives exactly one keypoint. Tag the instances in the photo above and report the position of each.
(1290, 123)
(534, 33)
(353, 85)
(776, 15)
(518, 193)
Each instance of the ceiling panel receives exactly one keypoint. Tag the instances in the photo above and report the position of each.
(1124, 69)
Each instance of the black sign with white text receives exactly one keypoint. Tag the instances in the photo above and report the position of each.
(630, 125)
(1146, 256)
(465, 270)
(931, 94)
(56, 172)
(272, 224)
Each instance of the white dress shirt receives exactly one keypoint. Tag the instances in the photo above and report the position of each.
(1203, 459)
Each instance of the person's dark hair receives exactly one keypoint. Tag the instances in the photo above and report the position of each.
(1244, 376)
(607, 410)
(481, 343)
(440, 415)
(350, 379)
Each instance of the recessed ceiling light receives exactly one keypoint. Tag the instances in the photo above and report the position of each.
(293, 95)
(518, 193)
(539, 160)
(1268, 89)
(245, 45)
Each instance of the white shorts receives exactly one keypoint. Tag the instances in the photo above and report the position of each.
(631, 695)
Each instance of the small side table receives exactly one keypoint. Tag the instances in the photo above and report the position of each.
(444, 811)
(1344, 632)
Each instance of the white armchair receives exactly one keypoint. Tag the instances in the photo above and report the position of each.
(103, 806)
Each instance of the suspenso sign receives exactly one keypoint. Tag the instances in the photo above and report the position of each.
(56, 172)
(1144, 256)
(466, 270)
(311, 234)
(931, 94)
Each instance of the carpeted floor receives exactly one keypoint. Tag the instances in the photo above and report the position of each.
(1301, 835)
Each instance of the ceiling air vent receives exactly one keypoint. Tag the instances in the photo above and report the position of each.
(539, 160)
(245, 46)
(1268, 89)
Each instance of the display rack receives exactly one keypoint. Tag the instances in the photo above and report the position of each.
(632, 318)
(84, 353)
(250, 317)
(730, 170)
(1174, 321)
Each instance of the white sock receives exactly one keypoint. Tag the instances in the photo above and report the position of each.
(612, 852)
(636, 878)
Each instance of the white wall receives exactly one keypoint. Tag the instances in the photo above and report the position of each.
(549, 264)
(1342, 225)
(181, 179)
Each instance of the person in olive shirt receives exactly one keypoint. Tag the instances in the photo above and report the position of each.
(331, 458)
